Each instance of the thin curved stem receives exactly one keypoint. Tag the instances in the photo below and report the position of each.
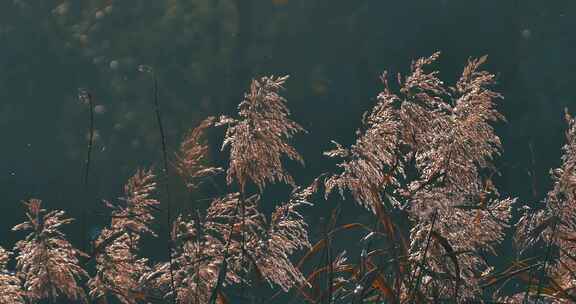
(86, 98)
(165, 172)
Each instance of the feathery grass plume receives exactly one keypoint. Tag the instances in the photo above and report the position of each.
(191, 159)
(46, 261)
(428, 149)
(371, 162)
(555, 224)
(10, 285)
(201, 250)
(195, 268)
(119, 269)
(450, 157)
(259, 138)
(449, 131)
(286, 233)
(454, 261)
(137, 214)
(205, 248)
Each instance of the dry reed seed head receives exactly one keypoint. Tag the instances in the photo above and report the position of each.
(430, 145)
(459, 142)
(191, 160)
(425, 88)
(371, 163)
(455, 141)
(258, 139)
(287, 233)
(471, 232)
(137, 214)
(33, 206)
(119, 269)
(46, 262)
(199, 256)
(236, 227)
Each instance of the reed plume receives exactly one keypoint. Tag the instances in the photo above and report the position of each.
(266, 251)
(233, 239)
(454, 160)
(259, 137)
(191, 163)
(427, 151)
(46, 262)
(119, 268)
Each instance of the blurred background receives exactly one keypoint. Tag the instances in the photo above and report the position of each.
(205, 52)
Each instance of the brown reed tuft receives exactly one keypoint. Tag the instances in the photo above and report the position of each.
(46, 262)
(259, 137)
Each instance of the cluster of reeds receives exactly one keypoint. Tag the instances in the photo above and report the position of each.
(422, 165)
